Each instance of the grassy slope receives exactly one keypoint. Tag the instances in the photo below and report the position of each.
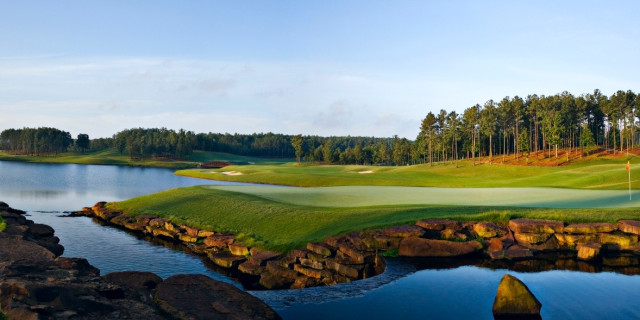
(112, 157)
(281, 226)
(597, 174)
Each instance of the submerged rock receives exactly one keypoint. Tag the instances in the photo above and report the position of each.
(514, 299)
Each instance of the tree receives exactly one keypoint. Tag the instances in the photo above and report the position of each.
(523, 142)
(296, 142)
(83, 142)
(488, 118)
(470, 123)
(427, 128)
(586, 140)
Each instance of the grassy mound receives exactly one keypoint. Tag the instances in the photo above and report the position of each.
(283, 225)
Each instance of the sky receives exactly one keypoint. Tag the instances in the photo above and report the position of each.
(359, 68)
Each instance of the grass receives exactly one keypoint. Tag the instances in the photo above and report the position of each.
(596, 174)
(270, 224)
(112, 157)
(3, 224)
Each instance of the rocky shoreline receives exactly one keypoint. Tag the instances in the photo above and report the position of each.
(518, 244)
(37, 283)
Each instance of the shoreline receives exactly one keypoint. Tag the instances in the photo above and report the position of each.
(518, 244)
(37, 283)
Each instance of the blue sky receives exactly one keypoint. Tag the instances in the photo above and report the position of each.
(372, 68)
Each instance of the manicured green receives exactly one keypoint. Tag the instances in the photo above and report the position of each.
(112, 157)
(266, 223)
(596, 174)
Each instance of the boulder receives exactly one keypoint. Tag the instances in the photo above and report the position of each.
(629, 226)
(403, 231)
(205, 233)
(536, 226)
(489, 230)
(219, 240)
(190, 230)
(532, 238)
(589, 228)
(136, 280)
(187, 238)
(24, 251)
(549, 245)
(200, 297)
(450, 234)
(588, 251)
(272, 282)
(310, 272)
(260, 257)
(276, 269)
(250, 267)
(41, 230)
(357, 256)
(238, 249)
(351, 271)
(157, 222)
(514, 252)
(419, 247)
(618, 239)
(226, 259)
(514, 299)
(319, 248)
(312, 264)
(438, 224)
(574, 239)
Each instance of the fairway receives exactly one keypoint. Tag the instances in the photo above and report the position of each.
(605, 174)
(365, 196)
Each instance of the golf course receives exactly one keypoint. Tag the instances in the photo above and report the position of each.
(340, 199)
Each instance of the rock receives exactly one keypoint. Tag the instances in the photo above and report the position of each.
(200, 297)
(24, 251)
(312, 264)
(238, 249)
(135, 226)
(304, 282)
(219, 240)
(272, 282)
(251, 267)
(136, 280)
(618, 239)
(515, 299)
(549, 245)
(438, 224)
(164, 233)
(489, 230)
(226, 259)
(41, 230)
(170, 226)
(334, 241)
(310, 272)
(157, 222)
(351, 271)
(419, 247)
(190, 230)
(205, 233)
(588, 251)
(357, 256)
(80, 266)
(589, 228)
(277, 270)
(261, 257)
(514, 252)
(403, 231)
(319, 248)
(536, 226)
(531, 238)
(574, 239)
(629, 226)
(450, 234)
(187, 238)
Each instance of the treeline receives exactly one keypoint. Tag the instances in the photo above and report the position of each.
(35, 141)
(537, 123)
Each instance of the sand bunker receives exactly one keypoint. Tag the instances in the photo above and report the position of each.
(232, 173)
(364, 172)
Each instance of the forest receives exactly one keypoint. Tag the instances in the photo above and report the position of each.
(512, 126)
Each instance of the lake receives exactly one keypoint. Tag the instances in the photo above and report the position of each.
(408, 289)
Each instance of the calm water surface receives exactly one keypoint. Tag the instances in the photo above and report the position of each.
(403, 291)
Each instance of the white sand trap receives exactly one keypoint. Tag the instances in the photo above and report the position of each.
(365, 172)
(232, 173)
